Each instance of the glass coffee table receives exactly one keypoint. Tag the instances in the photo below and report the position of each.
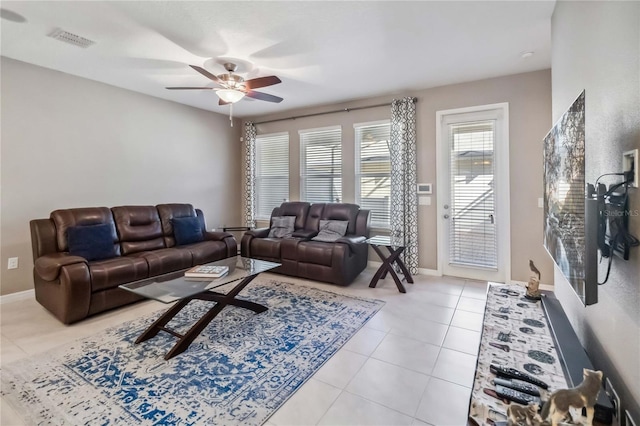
(174, 287)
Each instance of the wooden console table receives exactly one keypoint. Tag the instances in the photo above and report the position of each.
(534, 337)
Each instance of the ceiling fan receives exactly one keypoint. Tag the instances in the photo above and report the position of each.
(233, 87)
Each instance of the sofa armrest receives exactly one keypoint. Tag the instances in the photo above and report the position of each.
(48, 267)
(216, 236)
(258, 233)
(303, 233)
(228, 239)
(352, 241)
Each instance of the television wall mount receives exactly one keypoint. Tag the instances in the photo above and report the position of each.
(614, 237)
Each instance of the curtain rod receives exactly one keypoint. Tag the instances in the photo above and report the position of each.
(327, 112)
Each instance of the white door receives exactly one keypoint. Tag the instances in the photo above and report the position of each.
(473, 193)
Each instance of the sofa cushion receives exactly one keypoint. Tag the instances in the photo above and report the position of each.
(139, 228)
(315, 252)
(93, 242)
(85, 216)
(266, 247)
(282, 226)
(206, 251)
(299, 209)
(186, 230)
(289, 248)
(166, 260)
(313, 218)
(111, 273)
(331, 230)
(342, 211)
(170, 211)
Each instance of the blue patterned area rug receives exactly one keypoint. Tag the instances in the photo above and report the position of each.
(239, 371)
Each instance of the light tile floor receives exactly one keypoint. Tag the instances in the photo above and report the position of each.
(412, 364)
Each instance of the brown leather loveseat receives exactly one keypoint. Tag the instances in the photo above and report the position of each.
(82, 255)
(338, 262)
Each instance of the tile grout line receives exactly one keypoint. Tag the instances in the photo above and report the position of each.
(350, 380)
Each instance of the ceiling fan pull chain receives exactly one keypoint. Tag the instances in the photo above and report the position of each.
(231, 114)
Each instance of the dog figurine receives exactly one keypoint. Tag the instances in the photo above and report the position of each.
(583, 395)
(520, 415)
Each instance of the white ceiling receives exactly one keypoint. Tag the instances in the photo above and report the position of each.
(324, 52)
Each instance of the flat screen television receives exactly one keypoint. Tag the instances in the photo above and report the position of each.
(570, 217)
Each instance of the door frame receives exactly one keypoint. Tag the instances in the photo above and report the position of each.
(503, 199)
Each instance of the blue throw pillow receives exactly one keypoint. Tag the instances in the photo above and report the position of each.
(93, 242)
(187, 230)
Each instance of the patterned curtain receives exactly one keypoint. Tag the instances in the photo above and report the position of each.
(250, 174)
(404, 201)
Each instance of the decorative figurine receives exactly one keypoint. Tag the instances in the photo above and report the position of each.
(519, 415)
(584, 395)
(533, 293)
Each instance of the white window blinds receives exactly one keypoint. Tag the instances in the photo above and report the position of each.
(373, 171)
(473, 231)
(272, 172)
(321, 165)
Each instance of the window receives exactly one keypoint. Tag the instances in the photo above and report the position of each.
(472, 229)
(373, 171)
(272, 172)
(321, 165)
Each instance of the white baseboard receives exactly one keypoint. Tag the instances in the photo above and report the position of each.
(421, 271)
(14, 297)
(430, 272)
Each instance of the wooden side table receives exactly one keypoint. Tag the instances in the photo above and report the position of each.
(236, 228)
(232, 229)
(388, 260)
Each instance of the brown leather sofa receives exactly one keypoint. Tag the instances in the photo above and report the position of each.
(337, 262)
(144, 245)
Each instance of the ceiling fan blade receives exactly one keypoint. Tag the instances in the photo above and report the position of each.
(205, 73)
(256, 83)
(263, 96)
(221, 102)
(189, 88)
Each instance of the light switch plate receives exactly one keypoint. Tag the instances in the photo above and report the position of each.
(12, 263)
(540, 203)
(424, 200)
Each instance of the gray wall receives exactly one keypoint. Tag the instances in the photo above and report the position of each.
(71, 142)
(596, 47)
(529, 98)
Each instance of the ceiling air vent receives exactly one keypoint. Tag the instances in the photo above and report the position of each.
(70, 38)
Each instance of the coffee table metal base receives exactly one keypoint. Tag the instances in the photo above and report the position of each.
(222, 300)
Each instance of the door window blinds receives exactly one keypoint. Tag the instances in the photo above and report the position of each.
(272, 172)
(472, 229)
(321, 165)
(373, 168)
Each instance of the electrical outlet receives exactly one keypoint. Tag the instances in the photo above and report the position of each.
(630, 162)
(628, 420)
(613, 396)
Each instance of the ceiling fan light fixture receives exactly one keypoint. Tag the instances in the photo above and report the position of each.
(230, 95)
